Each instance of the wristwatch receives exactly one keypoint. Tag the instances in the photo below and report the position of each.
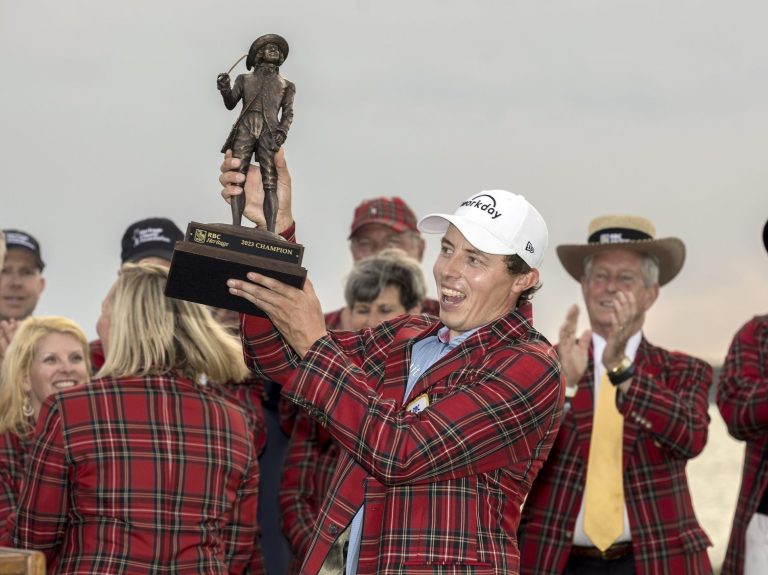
(622, 372)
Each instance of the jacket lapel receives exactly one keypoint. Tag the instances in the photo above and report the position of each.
(399, 361)
(632, 427)
(440, 371)
(582, 407)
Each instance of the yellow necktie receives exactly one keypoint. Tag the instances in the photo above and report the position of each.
(604, 491)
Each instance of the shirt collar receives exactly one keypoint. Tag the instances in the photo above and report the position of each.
(444, 335)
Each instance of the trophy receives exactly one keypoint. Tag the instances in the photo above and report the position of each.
(210, 254)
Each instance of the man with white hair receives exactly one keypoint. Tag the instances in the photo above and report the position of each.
(613, 496)
(443, 423)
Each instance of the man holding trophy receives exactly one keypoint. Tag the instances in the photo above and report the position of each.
(443, 424)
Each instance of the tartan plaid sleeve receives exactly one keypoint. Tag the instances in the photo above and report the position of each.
(742, 393)
(12, 462)
(7, 505)
(496, 408)
(240, 536)
(41, 517)
(247, 395)
(669, 397)
(298, 491)
(265, 351)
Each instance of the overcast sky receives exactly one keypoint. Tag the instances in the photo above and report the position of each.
(109, 113)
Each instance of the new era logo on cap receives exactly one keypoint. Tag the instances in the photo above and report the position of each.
(496, 222)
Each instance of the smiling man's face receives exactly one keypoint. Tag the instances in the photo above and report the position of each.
(475, 288)
(21, 284)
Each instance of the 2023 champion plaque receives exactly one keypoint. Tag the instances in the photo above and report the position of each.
(210, 254)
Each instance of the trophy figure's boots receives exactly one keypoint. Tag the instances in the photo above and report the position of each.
(238, 202)
(270, 207)
(238, 205)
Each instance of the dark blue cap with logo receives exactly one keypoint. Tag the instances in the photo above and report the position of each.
(152, 237)
(16, 239)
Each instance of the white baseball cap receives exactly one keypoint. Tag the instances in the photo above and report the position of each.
(496, 222)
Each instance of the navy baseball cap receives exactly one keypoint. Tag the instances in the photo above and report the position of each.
(152, 237)
(25, 241)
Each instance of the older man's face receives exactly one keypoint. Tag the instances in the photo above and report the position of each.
(611, 272)
(474, 287)
(370, 239)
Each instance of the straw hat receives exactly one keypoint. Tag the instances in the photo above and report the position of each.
(624, 233)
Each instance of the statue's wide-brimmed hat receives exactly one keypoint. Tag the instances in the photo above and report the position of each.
(624, 233)
(262, 41)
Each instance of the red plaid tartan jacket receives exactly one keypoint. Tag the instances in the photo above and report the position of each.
(141, 475)
(442, 488)
(665, 424)
(247, 395)
(312, 457)
(742, 397)
(14, 452)
(309, 465)
(311, 460)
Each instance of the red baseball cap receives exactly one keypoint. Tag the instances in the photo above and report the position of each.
(391, 212)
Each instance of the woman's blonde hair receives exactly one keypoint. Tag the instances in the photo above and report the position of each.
(150, 333)
(17, 366)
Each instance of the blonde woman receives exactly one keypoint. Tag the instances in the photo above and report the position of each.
(47, 354)
(145, 468)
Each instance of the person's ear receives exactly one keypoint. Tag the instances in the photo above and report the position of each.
(422, 245)
(649, 297)
(525, 281)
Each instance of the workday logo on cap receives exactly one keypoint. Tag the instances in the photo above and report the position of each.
(484, 203)
(496, 222)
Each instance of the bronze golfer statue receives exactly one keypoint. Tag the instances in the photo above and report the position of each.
(210, 254)
(263, 124)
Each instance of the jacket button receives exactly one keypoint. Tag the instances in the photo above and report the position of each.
(333, 529)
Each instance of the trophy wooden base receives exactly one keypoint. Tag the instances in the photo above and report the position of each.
(210, 254)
